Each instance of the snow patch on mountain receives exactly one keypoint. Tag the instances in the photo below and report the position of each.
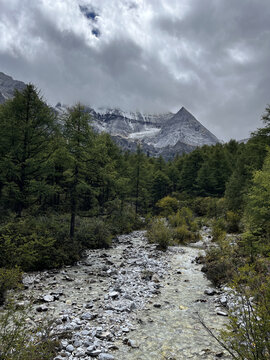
(164, 134)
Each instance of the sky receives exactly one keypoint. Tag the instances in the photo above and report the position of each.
(210, 56)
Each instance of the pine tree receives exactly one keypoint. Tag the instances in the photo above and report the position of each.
(214, 172)
(257, 207)
(27, 128)
(190, 167)
(79, 142)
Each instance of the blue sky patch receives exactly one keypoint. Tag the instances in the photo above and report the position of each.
(88, 13)
(96, 32)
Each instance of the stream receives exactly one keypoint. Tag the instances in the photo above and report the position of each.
(129, 302)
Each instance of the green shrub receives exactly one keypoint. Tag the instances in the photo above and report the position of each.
(22, 243)
(19, 342)
(182, 235)
(232, 221)
(177, 219)
(158, 232)
(185, 229)
(9, 279)
(93, 233)
(122, 218)
(254, 245)
(247, 332)
(218, 230)
(222, 260)
(167, 205)
(208, 206)
(183, 216)
(218, 266)
(44, 242)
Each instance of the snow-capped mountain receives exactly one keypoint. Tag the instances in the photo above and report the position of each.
(164, 134)
(159, 134)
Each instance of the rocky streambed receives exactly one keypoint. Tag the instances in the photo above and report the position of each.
(129, 302)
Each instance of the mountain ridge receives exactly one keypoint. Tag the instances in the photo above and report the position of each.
(165, 134)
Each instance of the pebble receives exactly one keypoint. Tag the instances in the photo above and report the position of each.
(48, 298)
(42, 308)
(70, 348)
(222, 313)
(210, 292)
(104, 356)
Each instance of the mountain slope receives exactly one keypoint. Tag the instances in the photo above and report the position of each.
(7, 87)
(164, 134)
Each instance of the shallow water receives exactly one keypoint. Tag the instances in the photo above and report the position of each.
(163, 326)
(173, 331)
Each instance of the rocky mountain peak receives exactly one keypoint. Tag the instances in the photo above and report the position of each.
(7, 87)
(165, 134)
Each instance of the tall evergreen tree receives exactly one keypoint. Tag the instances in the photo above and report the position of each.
(189, 171)
(250, 159)
(214, 172)
(27, 127)
(79, 142)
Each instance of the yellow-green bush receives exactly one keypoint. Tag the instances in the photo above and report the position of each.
(183, 216)
(167, 205)
(158, 232)
(182, 235)
(218, 230)
(185, 228)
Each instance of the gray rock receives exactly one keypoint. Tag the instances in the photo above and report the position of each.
(132, 343)
(42, 308)
(104, 356)
(106, 335)
(7, 87)
(88, 316)
(70, 348)
(94, 352)
(48, 298)
(222, 313)
(210, 292)
(114, 294)
(223, 300)
(155, 278)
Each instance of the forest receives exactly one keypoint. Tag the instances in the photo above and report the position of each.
(65, 188)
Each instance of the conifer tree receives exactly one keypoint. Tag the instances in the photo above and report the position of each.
(27, 128)
(79, 143)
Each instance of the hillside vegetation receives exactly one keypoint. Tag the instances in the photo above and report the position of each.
(65, 188)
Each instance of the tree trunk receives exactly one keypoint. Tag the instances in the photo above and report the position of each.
(73, 207)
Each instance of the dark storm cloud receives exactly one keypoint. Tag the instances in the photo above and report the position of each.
(211, 56)
(233, 43)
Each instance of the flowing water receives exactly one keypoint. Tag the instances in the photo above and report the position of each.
(173, 330)
(109, 306)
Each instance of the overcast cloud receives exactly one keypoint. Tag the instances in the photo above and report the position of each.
(211, 56)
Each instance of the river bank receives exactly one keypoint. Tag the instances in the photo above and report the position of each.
(129, 302)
